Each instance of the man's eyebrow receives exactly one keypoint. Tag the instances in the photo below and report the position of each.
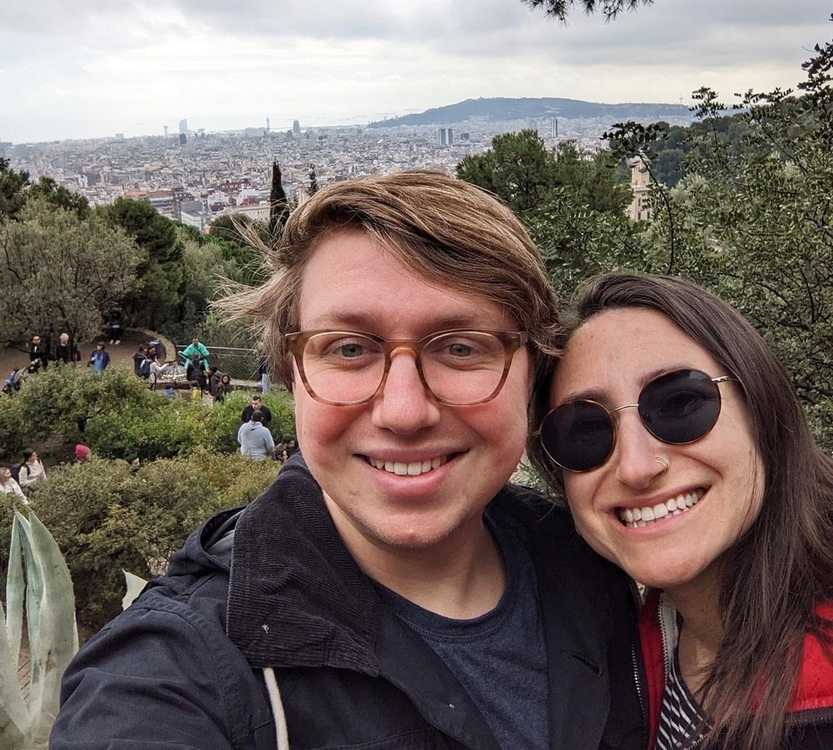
(362, 321)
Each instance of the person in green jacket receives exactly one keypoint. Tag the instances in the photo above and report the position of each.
(193, 349)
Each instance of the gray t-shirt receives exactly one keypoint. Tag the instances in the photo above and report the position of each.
(500, 657)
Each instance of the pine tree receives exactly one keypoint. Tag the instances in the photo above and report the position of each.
(278, 204)
(313, 180)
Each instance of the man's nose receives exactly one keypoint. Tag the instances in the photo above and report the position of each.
(405, 405)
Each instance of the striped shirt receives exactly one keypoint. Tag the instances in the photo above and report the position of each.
(680, 717)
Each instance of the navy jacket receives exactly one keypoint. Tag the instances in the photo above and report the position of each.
(181, 668)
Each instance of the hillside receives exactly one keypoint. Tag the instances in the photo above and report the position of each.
(501, 108)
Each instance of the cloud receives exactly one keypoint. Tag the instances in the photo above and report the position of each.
(93, 68)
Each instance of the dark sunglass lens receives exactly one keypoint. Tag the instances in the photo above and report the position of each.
(578, 436)
(680, 407)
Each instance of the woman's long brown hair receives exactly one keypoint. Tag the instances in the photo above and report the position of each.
(776, 574)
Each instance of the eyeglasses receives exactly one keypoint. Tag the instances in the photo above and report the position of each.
(458, 367)
(679, 407)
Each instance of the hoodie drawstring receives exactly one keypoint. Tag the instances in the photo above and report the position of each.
(277, 708)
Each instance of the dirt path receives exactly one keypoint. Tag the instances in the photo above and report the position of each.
(121, 355)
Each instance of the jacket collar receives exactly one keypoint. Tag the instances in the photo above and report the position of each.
(814, 690)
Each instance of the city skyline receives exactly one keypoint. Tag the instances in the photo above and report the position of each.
(83, 72)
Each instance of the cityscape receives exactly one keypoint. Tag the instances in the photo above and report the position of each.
(194, 176)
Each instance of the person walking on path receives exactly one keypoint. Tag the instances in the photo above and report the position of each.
(257, 404)
(31, 469)
(8, 483)
(255, 440)
(100, 358)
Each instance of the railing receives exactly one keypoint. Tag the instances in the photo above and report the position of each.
(240, 363)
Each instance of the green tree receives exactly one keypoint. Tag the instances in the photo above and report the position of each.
(12, 190)
(278, 203)
(239, 236)
(59, 272)
(578, 242)
(757, 227)
(60, 196)
(592, 178)
(609, 8)
(153, 302)
(518, 168)
(313, 180)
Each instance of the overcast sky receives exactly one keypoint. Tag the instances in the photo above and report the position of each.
(75, 70)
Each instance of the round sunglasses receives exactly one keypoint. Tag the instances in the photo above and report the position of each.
(678, 407)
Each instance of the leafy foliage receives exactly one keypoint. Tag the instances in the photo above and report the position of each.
(58, 270)
(134, 519)
(755, 224)
(609, 8)
(522, 171)
(278, 203)
(12, 186)
(572, 203)
(578, 242)
(122, 418)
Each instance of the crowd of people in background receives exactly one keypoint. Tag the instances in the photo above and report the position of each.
(151, 363)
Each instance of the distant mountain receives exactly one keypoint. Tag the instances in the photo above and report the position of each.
(501, 108)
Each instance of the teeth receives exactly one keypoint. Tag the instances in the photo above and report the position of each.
(409, 469)
(638, 517)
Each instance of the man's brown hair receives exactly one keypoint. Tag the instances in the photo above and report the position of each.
(441, 228)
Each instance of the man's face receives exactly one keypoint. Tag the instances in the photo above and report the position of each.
(36, 339)
(256, 403)
(352, 283)
(195, 340)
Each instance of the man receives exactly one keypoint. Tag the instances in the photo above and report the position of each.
(256, 404)
(38, 352)
(256, 442)
(196, 351)
(99, 358)
(389, 591)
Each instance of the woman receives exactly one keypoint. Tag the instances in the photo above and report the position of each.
(31, 470)
(224, 388)
(8, 484)
(686, 459)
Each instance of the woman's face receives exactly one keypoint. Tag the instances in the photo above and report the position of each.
(609, 360)
(5, 474)
(34, 457)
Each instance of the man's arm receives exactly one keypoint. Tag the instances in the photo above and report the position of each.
(149, 680)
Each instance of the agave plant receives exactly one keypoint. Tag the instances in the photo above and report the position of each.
(38, 582)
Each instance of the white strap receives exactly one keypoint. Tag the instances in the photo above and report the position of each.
(277, 708)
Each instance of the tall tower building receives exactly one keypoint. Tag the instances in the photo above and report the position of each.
(296, 127)
(450, 138)
(267, 125)
(183, 126)
(442, 136)
(166, 130)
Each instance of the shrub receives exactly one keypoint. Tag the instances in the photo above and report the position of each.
(107, 517)
(169, 429)
(58, 400)
(224, 420)
(15, 433)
